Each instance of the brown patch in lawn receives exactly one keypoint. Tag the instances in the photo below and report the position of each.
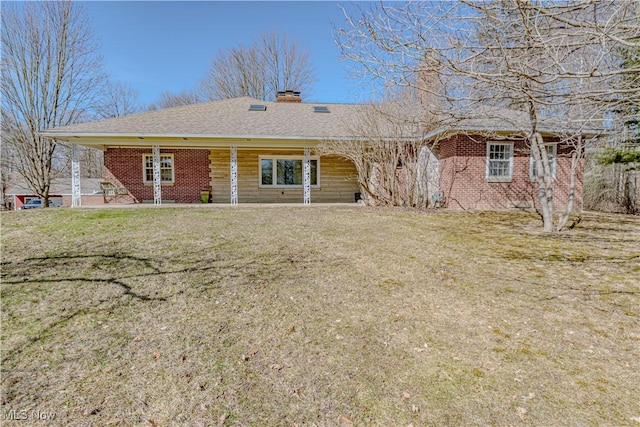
(319, 316)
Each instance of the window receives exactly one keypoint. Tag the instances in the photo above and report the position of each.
(286, 172)
(551, 154)
(499, 161)
(166, 168)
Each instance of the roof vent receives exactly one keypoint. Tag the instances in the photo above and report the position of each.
(320, 109)
(257, 107)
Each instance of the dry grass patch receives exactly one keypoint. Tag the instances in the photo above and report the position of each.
(319, 316)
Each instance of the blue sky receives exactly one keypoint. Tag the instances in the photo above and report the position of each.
(159, 46)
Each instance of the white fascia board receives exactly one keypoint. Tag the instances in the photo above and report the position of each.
(99, 140)
(180, 143)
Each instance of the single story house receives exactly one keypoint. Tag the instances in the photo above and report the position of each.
(60, 192)
(244, 150)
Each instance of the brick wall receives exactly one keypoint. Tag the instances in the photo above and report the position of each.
(465, 186)
(124, 167)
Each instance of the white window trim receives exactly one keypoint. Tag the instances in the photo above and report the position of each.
(144, 169)
(275, 158)
(499, 178)
(554, 161)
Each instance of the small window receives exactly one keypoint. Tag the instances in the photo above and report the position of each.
(551, 154)
(166, 168)
(257, 107)
(499, 161)
(320, 109)
(286, 172)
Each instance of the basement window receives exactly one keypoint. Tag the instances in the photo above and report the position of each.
(257, 107)
(320, 109)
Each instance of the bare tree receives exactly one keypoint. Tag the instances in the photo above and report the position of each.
(259, 70)
(553, 62)
(50, 74)
(394, 163)
(169, 99)
(115, 99)
(118, 99)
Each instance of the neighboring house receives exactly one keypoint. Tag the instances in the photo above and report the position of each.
(244, 150)
(59, 192)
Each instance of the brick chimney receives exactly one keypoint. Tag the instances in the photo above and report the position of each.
(288, 96)
(430, 90)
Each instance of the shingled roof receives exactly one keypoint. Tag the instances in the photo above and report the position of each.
(230, 118)
(502, 120)
(234, 119)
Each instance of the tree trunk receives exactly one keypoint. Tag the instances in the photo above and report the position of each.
(544, 181)
(575, 162)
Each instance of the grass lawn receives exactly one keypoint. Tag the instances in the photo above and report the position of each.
(320, 316)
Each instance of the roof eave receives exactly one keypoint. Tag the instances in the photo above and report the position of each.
(588, 133)
(196, 140)
(67, 136)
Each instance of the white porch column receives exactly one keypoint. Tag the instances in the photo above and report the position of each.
(76, 198)
(306, 175)
(234, 175)
(157, 188)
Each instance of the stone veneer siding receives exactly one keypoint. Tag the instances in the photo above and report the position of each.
(338, 179)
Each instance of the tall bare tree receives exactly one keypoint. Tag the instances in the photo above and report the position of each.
(550, 61)
(259, 70)
(117, 99)
(50, 75)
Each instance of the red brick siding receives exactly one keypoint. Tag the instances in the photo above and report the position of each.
(85, 200)
(465, 186)
(191, 173)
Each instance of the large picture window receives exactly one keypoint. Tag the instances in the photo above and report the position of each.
(499, 161)
(551, 155)
(166, 168)
(286, 172)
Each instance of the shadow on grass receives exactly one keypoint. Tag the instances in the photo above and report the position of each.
(60, 270)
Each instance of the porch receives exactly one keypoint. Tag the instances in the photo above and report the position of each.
(234, 174)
